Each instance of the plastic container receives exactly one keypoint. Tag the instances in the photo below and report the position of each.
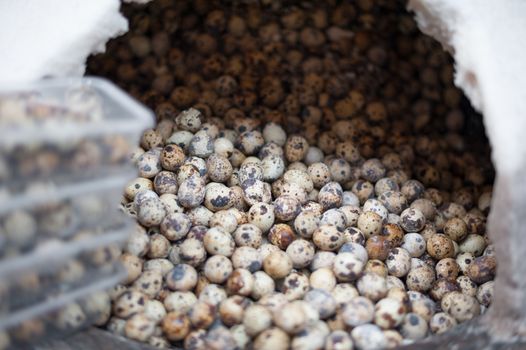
(60, 316)
(59, 288)
(50, 213)
(63, 131)
(59, 268)
(64, 162)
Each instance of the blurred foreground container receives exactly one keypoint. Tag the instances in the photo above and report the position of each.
(64, 160)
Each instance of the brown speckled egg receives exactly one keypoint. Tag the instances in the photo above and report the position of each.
(412, 220)
(398, 262)
(295, 285)
(301, 252)
(393, 234)
(441, 287)
(388, 313)
(232, 310)
(202, 314)
(240, 282)
(327, 237)
(447, 268)
(277, 264)
(421, 278)
(175, 326)
(475, 224)
(441, 322)
(370, 223)
(347, 267)
(461, 306)
(286, 208)
(440, 246)
(378, 247)
(485, 293)
(456, 229)
(281, 235)
(482, 269)
(376, 266)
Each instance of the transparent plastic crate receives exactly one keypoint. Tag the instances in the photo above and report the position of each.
(60, 316)
(64, 161)
(64, 131)
(49, 214)
(59, 268)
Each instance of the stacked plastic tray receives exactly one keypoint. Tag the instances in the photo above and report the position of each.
(64, 159)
